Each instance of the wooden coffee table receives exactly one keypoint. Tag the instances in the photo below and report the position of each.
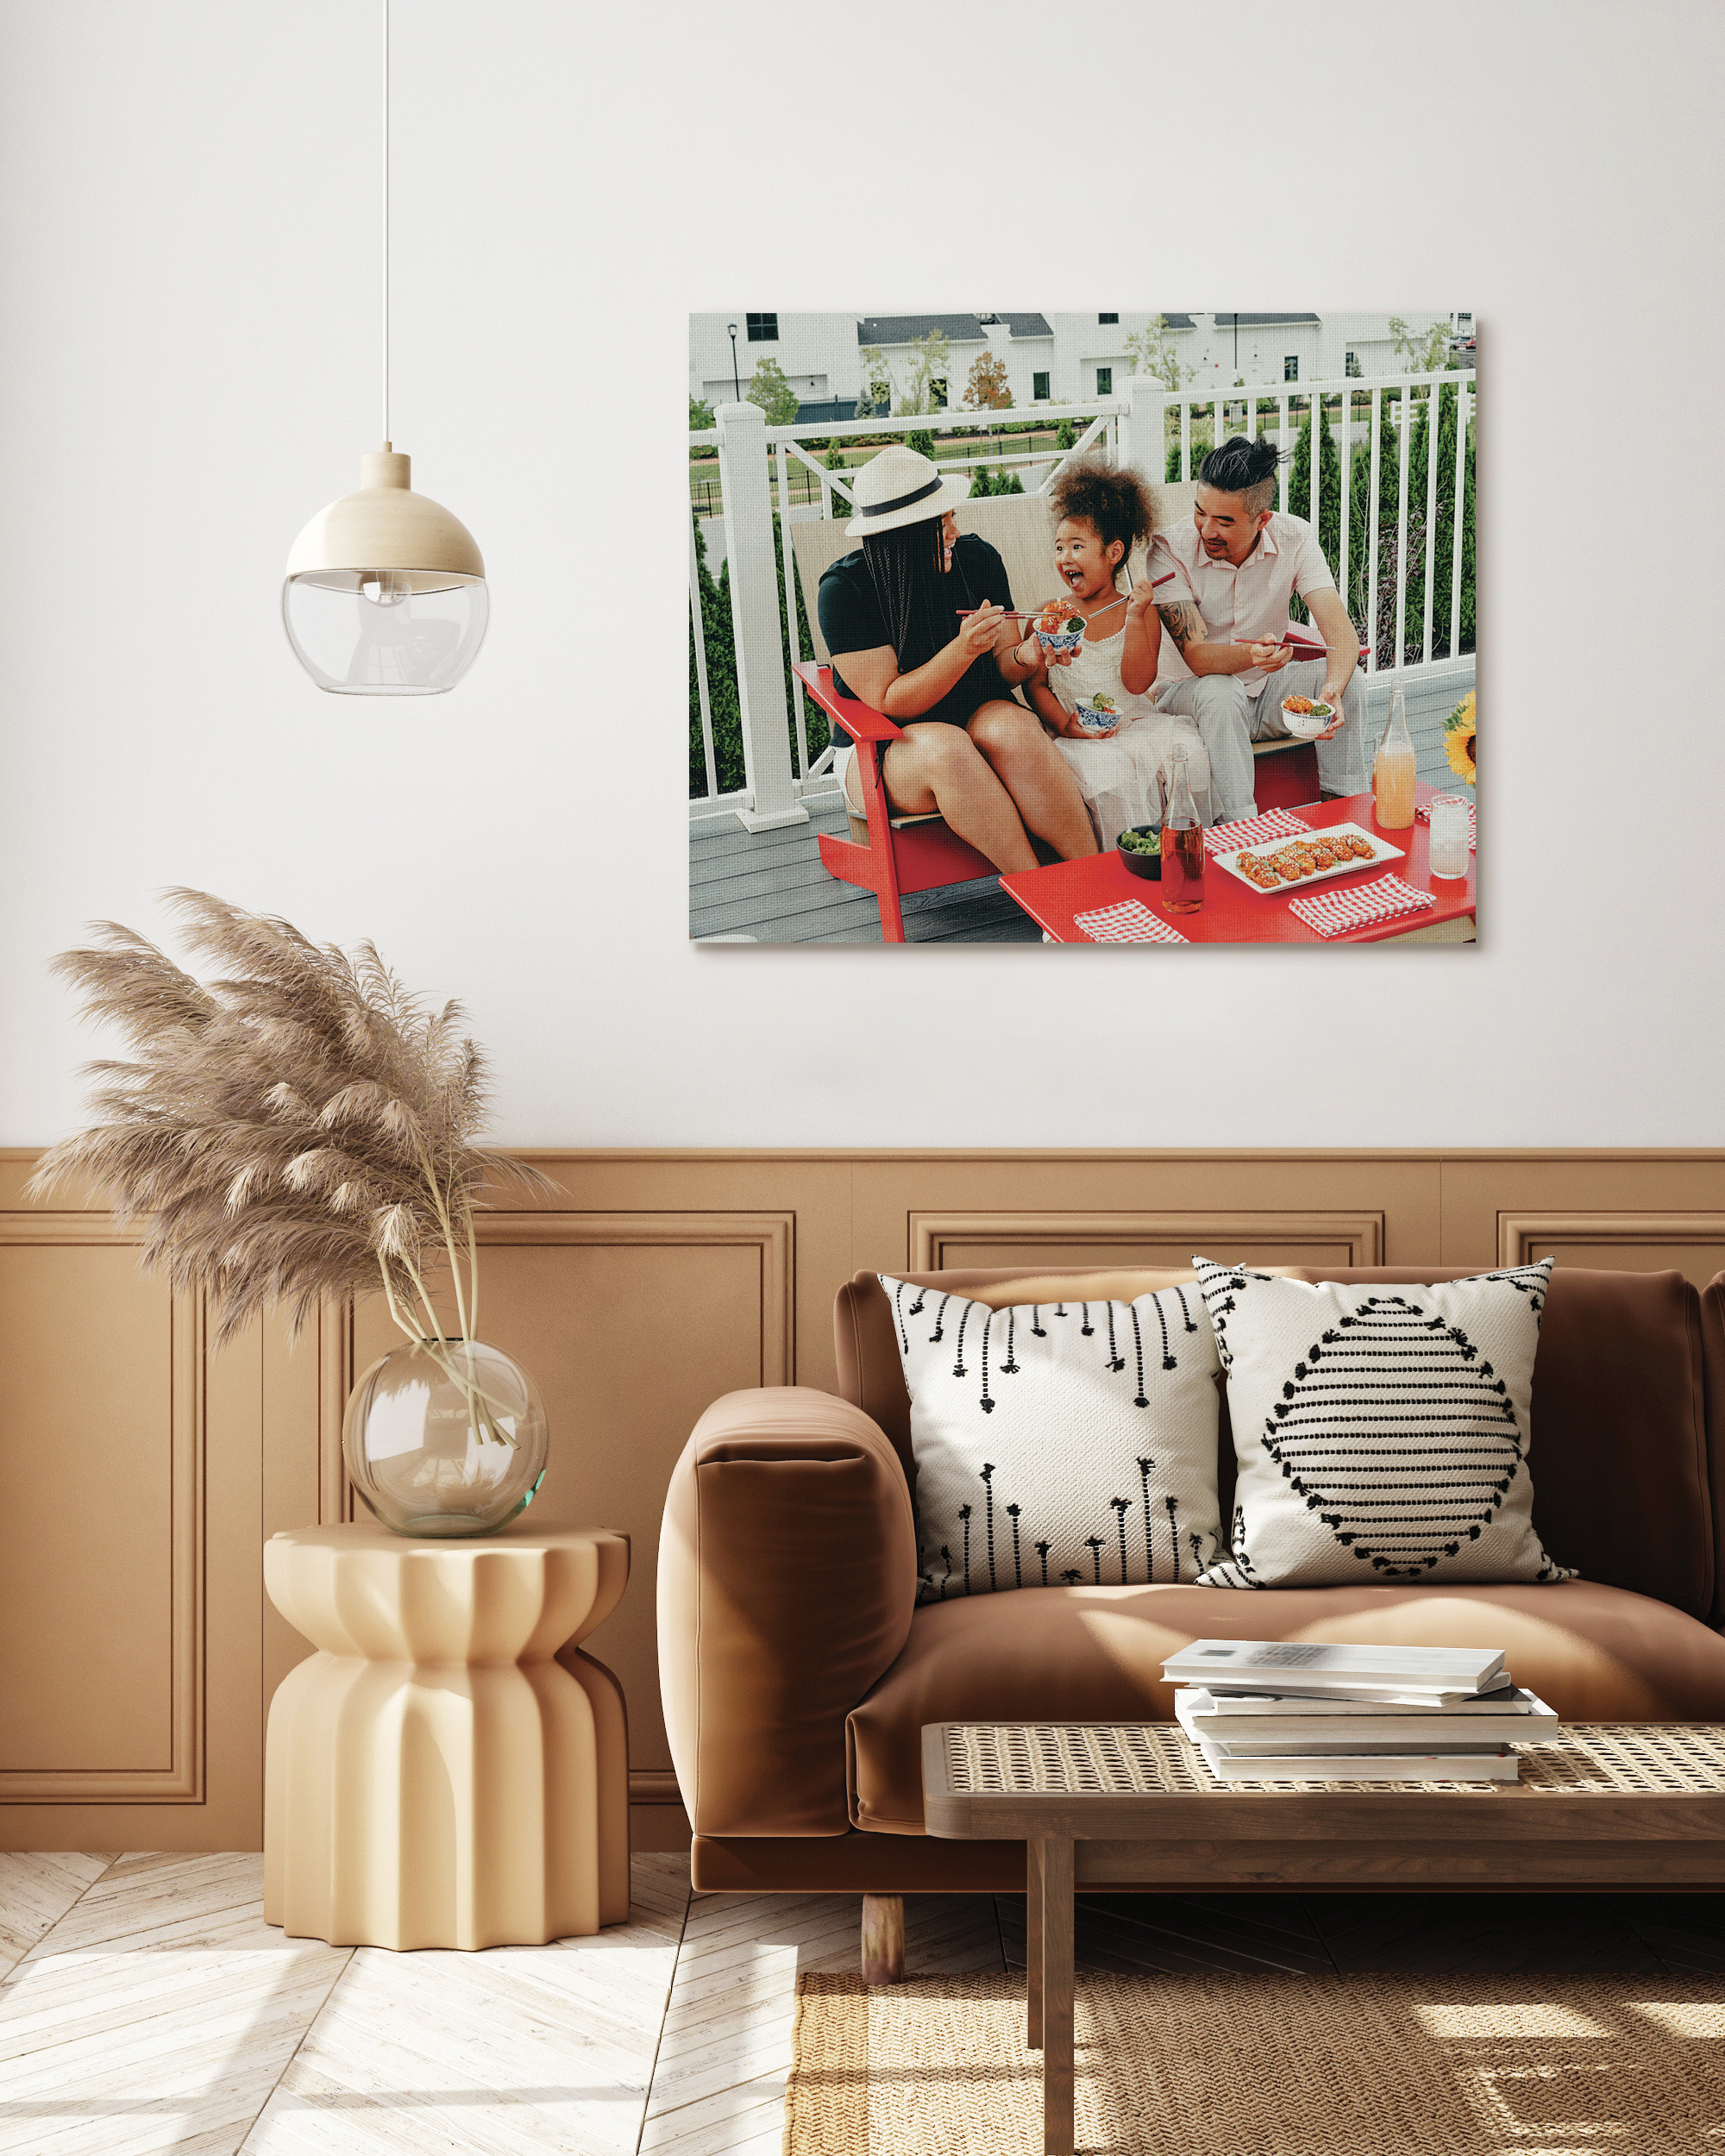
(1601, 1805)
(1232, 912)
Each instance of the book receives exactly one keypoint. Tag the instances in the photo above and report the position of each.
(1501, 1764)
(1300, 1725)
(1314, 1666)
(1239, 1706)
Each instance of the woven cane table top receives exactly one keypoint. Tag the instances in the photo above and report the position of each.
(1155, 1758)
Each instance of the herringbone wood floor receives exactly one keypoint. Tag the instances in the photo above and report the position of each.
(145, 2006)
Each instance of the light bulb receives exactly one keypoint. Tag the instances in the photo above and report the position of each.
(386, 587)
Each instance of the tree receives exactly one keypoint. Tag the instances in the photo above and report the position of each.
(876, 393)
(700, 414)
(987, 390)
(1421, 352)
(724, 699)
(769, 390)
(1329, 491)
(932, 365)
(921, 440)
(720, 641)
(1153, 354)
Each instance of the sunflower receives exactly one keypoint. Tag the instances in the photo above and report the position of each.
(1458, 739)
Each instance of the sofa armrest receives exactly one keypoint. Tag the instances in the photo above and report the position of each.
(786, 1579)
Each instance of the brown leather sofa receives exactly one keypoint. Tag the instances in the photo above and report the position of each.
(797, 1674)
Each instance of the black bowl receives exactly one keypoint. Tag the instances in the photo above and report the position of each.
(1147, 865)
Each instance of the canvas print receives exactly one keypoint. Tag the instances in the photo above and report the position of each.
(1152, 628)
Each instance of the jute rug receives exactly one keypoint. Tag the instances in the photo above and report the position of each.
(1268, 2066)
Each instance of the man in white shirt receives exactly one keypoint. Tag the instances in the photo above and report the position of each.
(1240, 561)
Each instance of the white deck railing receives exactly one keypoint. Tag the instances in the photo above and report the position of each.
(755, 463)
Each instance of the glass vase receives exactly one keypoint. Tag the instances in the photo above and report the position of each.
(446, 1437)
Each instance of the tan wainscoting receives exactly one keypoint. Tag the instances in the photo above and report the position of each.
(137, 1650)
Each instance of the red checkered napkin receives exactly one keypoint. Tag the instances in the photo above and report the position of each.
(1252, 830)
(1424, 814)
(1129, 921)
(1335, 912)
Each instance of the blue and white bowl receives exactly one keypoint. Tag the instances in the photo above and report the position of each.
(1060, 639)
(1091, 720)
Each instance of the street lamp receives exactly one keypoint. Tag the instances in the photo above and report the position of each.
(734, 383)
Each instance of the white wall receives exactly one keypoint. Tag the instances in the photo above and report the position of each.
(187, 239)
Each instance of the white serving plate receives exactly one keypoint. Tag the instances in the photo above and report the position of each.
(1382, 851)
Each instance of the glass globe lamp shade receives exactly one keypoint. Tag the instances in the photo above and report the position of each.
(445, 1437)
(385, 593)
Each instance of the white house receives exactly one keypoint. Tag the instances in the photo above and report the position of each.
(1048, 358)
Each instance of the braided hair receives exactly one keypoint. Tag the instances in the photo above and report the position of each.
(1243, 467)
(908, 565)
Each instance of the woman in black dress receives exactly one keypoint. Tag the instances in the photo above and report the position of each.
(892, 616)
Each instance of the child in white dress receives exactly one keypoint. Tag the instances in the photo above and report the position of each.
(1123, 769)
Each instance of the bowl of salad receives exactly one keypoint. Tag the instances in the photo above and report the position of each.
(1059, 626)
(1303, 717)
(1100, 716)
(1140, 850)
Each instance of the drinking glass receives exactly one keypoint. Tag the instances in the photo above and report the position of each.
(1449, 847)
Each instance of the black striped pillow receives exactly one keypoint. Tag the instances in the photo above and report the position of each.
(1382, 1432)
(1064, 1444)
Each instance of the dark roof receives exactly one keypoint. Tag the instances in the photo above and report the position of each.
(906, 328)
(1025, 325)
(1179, 322)
(1258, 321)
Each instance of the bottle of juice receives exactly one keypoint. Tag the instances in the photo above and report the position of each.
(1392, 770)
(1183, 845)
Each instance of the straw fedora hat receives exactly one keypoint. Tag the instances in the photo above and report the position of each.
(897, 487)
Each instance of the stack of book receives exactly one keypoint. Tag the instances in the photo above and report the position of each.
(1268, 1710)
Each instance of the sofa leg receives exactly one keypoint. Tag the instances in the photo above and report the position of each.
(883, 1939)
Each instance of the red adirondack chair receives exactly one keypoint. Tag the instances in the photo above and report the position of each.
(892, 855)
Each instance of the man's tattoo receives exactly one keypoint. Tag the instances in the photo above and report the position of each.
(1183, 623)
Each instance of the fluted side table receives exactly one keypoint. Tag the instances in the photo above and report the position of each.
(448, 1769)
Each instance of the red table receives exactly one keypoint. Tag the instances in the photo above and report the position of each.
(1232, 912)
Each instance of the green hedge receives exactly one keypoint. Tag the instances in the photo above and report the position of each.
(721, 679)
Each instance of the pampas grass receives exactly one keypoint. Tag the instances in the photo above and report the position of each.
(301, 1127)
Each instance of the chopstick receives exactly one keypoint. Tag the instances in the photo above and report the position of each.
(1014, 613)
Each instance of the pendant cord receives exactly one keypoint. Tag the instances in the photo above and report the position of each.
(385, 224)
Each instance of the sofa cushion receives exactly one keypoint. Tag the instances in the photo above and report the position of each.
(1597, 1653)
(1624, 1494)
(1059, 1441)
(1383, 1433)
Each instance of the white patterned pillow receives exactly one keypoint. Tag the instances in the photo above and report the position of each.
(1059, 1444)
(1382, 1432)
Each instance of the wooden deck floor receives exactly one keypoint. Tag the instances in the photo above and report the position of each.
(770, 887)
(145, 2007)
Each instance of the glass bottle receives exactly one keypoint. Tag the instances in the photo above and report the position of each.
(1183, 845)
(1392, 769)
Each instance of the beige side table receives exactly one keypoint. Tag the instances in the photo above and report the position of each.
(448, 1769)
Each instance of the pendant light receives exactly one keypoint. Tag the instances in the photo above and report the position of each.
(385, 592)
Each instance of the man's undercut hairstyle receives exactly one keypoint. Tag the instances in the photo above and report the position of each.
(1110, 497)
(1245, 467)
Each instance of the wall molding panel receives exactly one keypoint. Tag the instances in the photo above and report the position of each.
(641, 1287)
(181, 1435)
(1522, 1239)
(940, 1241)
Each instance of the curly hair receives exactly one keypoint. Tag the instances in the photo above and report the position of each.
(1110, 497)
(1240, 466)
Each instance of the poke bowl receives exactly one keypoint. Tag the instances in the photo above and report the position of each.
(1140, 851)
(1099, 716)
(1305, 717)
(1059, 626)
